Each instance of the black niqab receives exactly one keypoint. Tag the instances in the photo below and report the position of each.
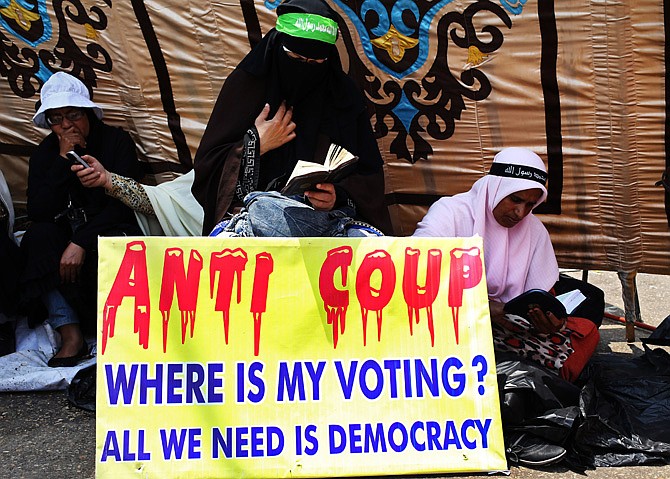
(321, 95)
(327, 108)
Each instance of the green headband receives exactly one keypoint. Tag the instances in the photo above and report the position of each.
(307, 25)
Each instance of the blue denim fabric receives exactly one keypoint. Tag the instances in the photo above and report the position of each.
(60, 312)
(271, 214)
(238, 225)
(219, 228)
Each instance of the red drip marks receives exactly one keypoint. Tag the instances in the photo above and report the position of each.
(108, 322)
(257, 332)
(465, 272)
(226, 325)
(264, 267)
(333, 316)
(411, 314)
(431, 325)
(377, 263)
(419, 297)
(335, 301)
(229, 265)
(364, 318)
(185, 283)
(186, 318)
(166, 319)
(131, 280)
(379, 325)
(454, 317)
(364, 315)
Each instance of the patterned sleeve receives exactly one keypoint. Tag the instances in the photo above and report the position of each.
(131, 193)
(250, 167)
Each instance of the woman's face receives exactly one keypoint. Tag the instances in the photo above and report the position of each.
(515, 207)
(68, 120)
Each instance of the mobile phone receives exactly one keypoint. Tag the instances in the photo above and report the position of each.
(75, 158)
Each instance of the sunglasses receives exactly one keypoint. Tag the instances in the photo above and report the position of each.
(57, 118)
(300, 58)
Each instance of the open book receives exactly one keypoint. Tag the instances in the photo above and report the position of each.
(306, 174)
(561, 305)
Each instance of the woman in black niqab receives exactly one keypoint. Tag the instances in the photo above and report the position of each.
(326, 108)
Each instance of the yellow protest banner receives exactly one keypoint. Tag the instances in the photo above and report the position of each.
(303, 357)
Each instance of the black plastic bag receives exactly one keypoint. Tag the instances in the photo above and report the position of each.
(626, 406)
(81, 391)
(535, 400)
(538, 404)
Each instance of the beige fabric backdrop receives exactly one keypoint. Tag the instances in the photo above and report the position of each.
(156, 68)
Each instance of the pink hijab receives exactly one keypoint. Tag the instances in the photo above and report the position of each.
(517, 259)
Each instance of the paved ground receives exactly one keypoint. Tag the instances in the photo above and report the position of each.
(43, 437)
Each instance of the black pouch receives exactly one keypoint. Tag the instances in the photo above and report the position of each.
(75, 216)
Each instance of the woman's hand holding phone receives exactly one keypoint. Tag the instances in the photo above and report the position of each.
(76, 159)
(93, 175)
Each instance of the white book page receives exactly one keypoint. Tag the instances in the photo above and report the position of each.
(571, 299)
(305, 167)
(336, 155)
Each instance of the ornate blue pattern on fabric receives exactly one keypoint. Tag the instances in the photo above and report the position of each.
(515, 8)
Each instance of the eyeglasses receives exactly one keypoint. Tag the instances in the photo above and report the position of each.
(300, 58)
(71, 115)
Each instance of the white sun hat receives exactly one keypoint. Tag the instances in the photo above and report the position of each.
(61, 90)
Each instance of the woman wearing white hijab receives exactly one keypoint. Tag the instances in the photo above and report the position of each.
(518, 256)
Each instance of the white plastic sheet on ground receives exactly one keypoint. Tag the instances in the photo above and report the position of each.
(27, 370)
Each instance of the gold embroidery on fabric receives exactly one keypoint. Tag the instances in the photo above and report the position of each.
(130, 193)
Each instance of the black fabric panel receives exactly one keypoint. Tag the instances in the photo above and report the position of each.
(251, 21)
(17, 150)
(163, 76)
(552, 107)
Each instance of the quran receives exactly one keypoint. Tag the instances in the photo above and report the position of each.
(337, 164)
